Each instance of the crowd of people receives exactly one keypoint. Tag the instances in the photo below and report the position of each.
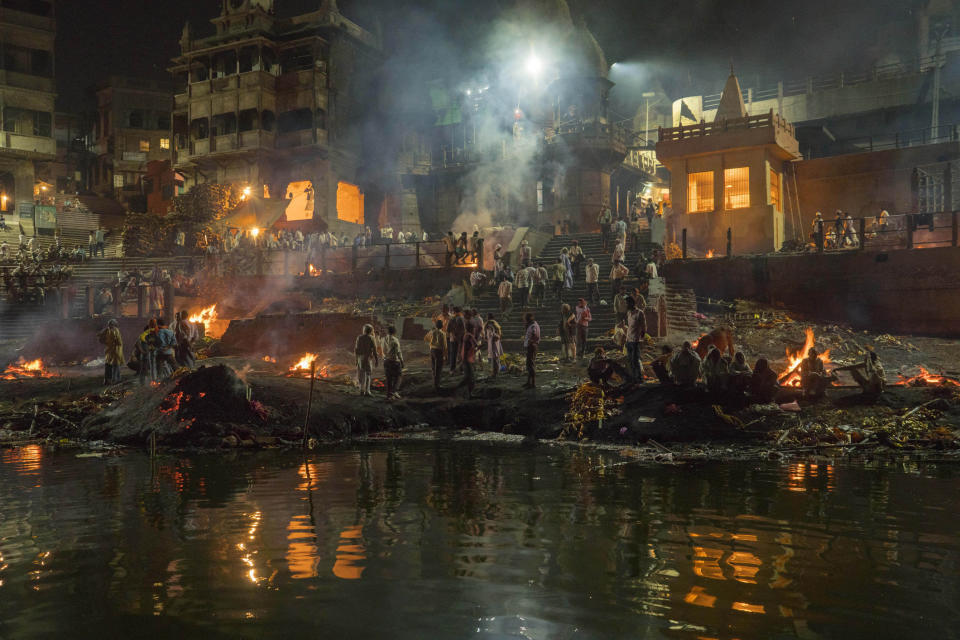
(843, 231)
(159, 350)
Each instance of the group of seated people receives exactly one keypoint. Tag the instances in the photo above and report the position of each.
(721, 374)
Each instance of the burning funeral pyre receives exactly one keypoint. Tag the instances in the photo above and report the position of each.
(22, 369)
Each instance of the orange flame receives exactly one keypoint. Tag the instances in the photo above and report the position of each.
(269, 359)
(303, 366)
(205, 317)
(23, 369)
(172, 403)
(794, 359)
(709, 253)
(926, 378)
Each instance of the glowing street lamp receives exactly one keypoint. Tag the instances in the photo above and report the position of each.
(534, 65)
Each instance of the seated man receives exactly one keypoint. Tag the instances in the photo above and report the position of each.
(871, 378)
(660, 365)
(686, 366)
(601, 369)
(764, 383)
(740, 373)
(813, 376)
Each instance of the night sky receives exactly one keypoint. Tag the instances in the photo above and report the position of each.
(684, 45)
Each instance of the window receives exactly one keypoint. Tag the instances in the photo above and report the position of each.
(540, 196)
(136, 120)
(930, 190)
(298, 120)
(775, 199)
(163, 122)
(700, 191)
(118, 180)
(349, 203)
(165, 144)
(736, 188)
(27, 122)
(145, 146)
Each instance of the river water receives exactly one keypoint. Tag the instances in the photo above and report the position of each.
(440, 541)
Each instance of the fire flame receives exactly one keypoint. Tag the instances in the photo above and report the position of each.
(270, 359)
(794, 359)
(205, 317)
(23, 369)
(926, 378)
(709, 253)
(305, 363)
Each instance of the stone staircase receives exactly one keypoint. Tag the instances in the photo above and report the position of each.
(549, 315)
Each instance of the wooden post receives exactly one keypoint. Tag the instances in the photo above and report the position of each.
(418, 252)
(386, 256)
(683, 244)
(863, 233)
(117, 303)
(955, 229)
(141, 301)
(819, 236)
(910, 221)
(729, 242)
(306, 420)
(169, 301)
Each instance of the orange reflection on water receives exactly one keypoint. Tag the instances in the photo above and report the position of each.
(800, 472)
(302, 553)
(746, 607)
(350, 551)
(26, 459)
(706, 562)
(745, 566)
(699, 597)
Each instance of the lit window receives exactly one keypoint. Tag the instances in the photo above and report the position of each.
(349, 203)
(775, 190)
(736, 188)
(540, 197)
(165, 143)
(700, 191)
(118, 180)
(145, 145)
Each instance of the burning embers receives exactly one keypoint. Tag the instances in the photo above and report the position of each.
(305, 364)
(21, 369)
(794, 359)
(925, 378)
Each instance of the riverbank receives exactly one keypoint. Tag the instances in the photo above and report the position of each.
(243, 403)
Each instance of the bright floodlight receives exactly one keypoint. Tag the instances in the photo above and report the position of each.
(534, 65)
(255, 232)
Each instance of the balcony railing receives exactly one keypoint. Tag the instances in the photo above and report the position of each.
(702, 129)
(28, 144)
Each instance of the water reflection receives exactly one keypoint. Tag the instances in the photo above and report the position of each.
(443, 541)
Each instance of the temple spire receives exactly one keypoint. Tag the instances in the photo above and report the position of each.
(731, 102)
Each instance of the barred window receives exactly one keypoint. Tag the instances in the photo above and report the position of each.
(736, 188)
(775, 199)
(700, 191)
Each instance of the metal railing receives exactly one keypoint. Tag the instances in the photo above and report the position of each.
(836, 80)
(342, 260)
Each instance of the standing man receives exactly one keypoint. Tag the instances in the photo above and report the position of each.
(583, 318)
(91, 244)
(438, 352)
(559, 273)
(186, 334)
(450, 244)
(166, 347)
(112, 352)
(531, 340)
(494, 335)
(392, 363)
(620, 305)
(593, 278)
(469, 359)
(617, 274)
(604, 220)
(365, 350)
(539, 285)
(523, 291)
(526, 254)
(505, 294)
(456, 328)
(576, 257)
(636, 329)
(621, 227)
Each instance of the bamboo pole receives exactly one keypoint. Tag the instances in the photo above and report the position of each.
(306, 420)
